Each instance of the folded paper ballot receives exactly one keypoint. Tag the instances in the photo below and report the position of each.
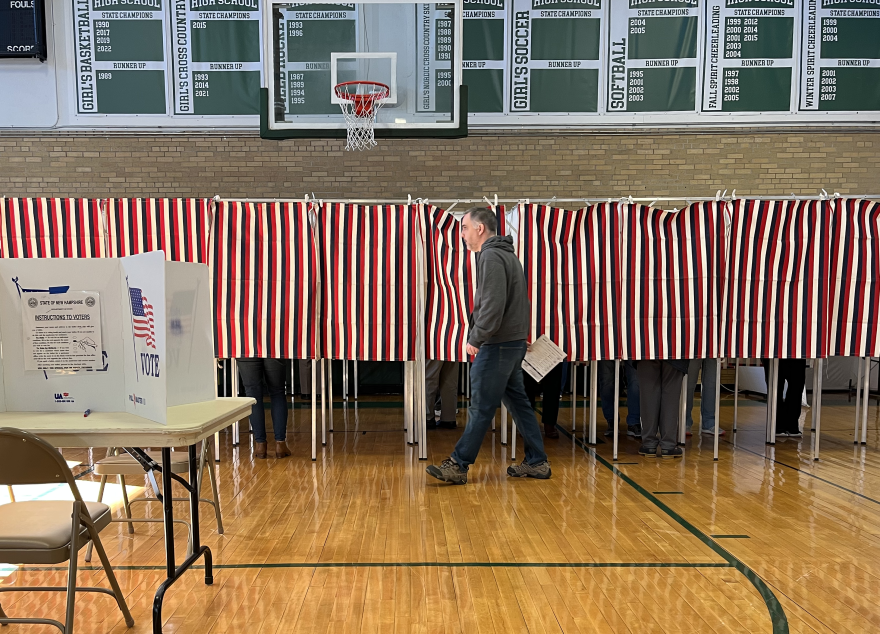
(543, 356)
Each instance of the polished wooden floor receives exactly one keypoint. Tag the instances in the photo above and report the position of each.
(764, 540)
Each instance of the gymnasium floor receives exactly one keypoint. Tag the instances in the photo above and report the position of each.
(765, 540)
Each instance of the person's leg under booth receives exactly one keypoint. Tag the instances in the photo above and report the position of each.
(274, 373)
(660, 387)
(448, 394)
(794, 371)
(432, 385)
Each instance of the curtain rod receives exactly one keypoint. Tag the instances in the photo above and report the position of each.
(540, 200)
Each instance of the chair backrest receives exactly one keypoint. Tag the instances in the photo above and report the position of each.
(28, 459)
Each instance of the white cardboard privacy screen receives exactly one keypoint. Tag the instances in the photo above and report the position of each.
(145, 370)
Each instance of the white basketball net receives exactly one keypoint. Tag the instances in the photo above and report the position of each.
(359, 110)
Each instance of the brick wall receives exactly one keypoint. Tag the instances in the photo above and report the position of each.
(535, 165)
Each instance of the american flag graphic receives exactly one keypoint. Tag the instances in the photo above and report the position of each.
(51, 228)
(142, 317)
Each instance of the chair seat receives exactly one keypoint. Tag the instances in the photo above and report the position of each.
(38, 532)
(125, 465)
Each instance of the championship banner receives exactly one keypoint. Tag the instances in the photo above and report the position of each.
(854, 296)
(776, 290)
(570, 259)
(369, 274)
(51, 228)
(450, 286)
(177, 226)
(672, 271)
(265, 273)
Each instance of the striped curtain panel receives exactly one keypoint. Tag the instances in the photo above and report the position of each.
(570, 259)
(51, 228)
(369, 271)
(854, 296)
(265, 273)
(177, 226)
(775, 298)
(450, 286)
(672, 270)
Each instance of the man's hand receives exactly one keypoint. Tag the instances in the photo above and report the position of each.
(472, 350)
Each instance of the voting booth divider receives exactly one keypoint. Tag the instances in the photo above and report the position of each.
(105, 335)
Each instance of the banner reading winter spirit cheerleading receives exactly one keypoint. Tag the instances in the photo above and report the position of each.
(672, 271)
(368, 280)
(51, 228)
(177, 226)
(265, 274)
(776, 286)
(854, 296)
(571, 261)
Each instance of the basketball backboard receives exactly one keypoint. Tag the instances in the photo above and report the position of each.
(414, 49)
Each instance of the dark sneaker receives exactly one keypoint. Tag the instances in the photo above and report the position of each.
(525, 470)
(431, 424)
(675, 452)
(448, 471)
(634, 431)
(609, 432)
(650, 452)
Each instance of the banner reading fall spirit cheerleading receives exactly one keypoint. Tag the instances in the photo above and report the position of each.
(750, 56)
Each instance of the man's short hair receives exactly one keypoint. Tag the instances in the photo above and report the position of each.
(485, 217)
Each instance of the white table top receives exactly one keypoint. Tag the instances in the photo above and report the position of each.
(187, 425)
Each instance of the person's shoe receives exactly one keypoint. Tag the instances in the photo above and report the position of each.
(795, 434)
(649, 452)
(782, 433)
(688, 433)
(711, 431)
(447, 424)
(609, 432)
(260, 450)
(675, 452)
(541, 471)
(550, 431)
(281, 450)
(634, 431)
(448, 471)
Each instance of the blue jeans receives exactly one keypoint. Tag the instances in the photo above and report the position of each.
(252, 372)
(496, 377)
(707, 391)
(606, 392)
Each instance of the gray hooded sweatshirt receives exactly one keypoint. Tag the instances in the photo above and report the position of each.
(501, 304)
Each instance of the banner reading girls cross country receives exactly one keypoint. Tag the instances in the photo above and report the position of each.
(555, 55)
(653, 55)
(750, 56)
(217, 46)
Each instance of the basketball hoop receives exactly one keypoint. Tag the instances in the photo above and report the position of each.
(360, 101)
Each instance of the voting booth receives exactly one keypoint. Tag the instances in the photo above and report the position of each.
(105, 335)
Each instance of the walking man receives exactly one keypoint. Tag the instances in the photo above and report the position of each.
(499, 328)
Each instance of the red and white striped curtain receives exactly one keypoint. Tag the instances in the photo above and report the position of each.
(776, 291)
(570, 259)
(178, 226)
(369, 281)
(265, 280)
(51, 228)
(672, 272)
(854, 297)
(450, 286)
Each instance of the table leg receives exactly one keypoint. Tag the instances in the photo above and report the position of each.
(174, 573)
